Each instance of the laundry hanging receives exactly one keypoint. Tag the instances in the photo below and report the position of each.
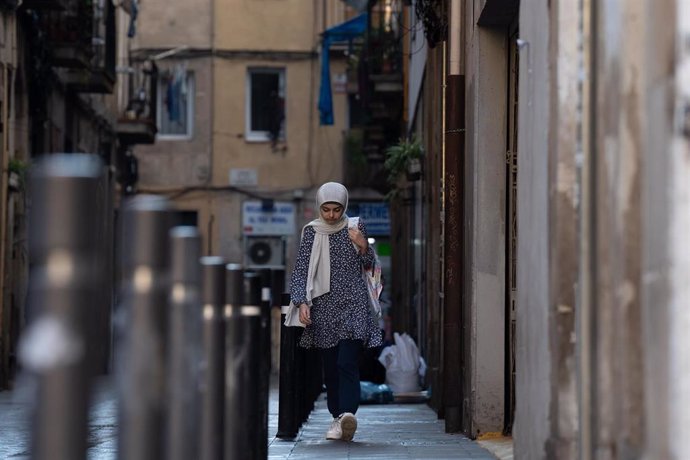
(176, 94)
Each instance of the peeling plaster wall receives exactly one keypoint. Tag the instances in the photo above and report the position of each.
(678, 250)
(533, 386)
(563, 224)
(619, 121)
(634, 394)
(657, 207)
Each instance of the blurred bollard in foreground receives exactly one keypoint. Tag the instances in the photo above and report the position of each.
(233, 424)
(251, 317)
(288, 423)
(62, 291)
(243, 315)
(213, 359)
(264, 361)
(277, 286)
(301, 380)
(142, 356)
(184, 341)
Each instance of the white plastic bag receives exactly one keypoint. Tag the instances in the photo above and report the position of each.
(402, 363)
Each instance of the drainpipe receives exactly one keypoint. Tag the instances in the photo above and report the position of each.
(453, 190)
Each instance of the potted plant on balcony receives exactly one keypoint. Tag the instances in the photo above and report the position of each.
(403, 158)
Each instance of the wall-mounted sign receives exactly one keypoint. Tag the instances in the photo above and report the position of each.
(374, 214)
(268, 218)
(244, 177)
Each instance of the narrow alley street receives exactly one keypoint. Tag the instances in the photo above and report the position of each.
(230, 210)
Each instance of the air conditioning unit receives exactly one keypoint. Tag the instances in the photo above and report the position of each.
(264, 252)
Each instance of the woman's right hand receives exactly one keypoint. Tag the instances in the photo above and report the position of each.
(304, 314)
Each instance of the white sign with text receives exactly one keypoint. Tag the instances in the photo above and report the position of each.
(258, 220)
(244, 177)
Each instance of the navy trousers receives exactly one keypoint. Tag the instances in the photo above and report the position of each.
(341, 372)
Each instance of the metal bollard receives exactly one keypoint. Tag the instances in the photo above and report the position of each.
(277, 286)
(243, 315)
(63, 293)
(302, 389)
(252, 319)
(213, 362)
(235, 433)
(277, 289)
(184, 338)
(314, 379)
(265, 361)
(288, 424)
(144, 325)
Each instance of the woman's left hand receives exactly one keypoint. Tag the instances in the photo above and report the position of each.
(359, 240)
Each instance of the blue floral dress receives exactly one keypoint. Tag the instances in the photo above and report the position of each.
(342, 313)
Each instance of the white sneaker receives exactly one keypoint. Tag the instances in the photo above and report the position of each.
(334, 433)
(348, 426)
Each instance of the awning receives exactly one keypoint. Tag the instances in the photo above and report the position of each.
(340, 33)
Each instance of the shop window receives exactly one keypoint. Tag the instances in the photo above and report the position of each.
(265, 105)
(175, 112)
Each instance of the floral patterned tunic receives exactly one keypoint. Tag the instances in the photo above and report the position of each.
(342, 313)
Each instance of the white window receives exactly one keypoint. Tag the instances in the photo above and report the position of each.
(175, 112)
(265, 105)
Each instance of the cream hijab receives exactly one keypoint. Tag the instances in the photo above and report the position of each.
(319, 272)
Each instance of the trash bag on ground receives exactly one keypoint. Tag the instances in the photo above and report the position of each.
(371, 393)
(402, 363)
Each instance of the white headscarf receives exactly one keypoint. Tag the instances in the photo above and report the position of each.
(332, 192)
(319, 272)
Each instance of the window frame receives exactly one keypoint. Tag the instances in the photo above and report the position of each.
(160, 109)
(263, 136)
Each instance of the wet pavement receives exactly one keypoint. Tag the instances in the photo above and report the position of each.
(388, 431)
(15, 409)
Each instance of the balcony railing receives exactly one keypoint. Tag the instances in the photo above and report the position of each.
(137, 123)
(384, 52)
(375, 69)
(82, 40)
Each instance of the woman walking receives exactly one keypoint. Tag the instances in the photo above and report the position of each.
(328, 287)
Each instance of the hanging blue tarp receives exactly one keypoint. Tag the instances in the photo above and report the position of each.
(340, 33)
